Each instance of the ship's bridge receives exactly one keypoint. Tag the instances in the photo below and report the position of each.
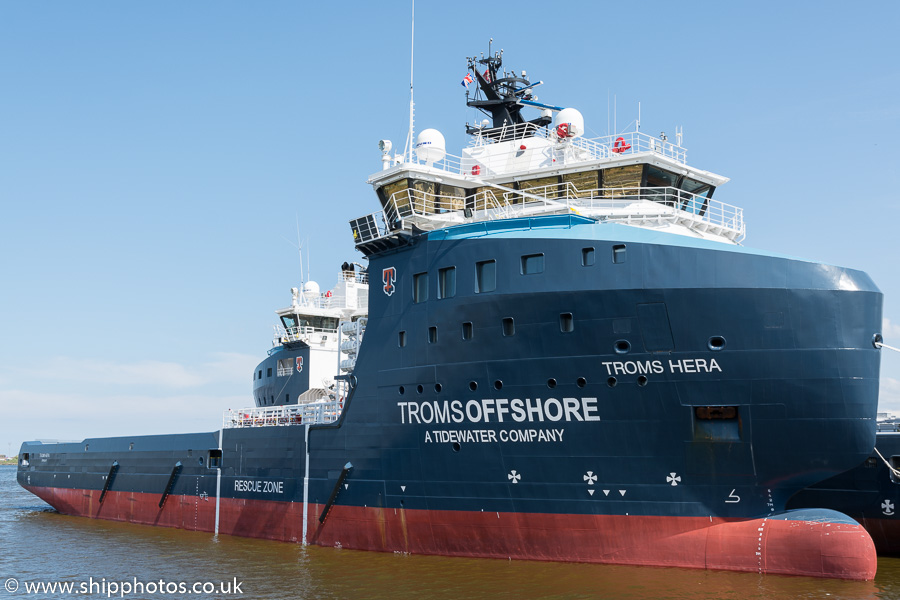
(527, 170)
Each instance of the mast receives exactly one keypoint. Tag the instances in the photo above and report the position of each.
(502, 95)
(408, 150)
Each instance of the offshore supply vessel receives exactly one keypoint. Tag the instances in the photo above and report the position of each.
(558, 350)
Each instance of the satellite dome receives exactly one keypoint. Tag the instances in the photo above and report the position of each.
(311, 289)
(574, 119)
(430, 146)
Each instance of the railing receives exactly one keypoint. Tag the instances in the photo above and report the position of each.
(285, 371)
(314, 413)
(559, 152)
(629, 204)
(301, 333)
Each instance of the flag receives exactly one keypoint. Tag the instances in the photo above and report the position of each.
(487, 75)
(467, 80)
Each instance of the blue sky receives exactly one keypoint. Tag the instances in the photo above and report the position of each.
(156, 158)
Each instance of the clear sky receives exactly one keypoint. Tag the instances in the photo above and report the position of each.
(157, 157)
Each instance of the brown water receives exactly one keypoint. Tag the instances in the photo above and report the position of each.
(38, 545)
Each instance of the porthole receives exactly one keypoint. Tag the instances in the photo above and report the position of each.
(611, 382)
(581, 382)
(401, 390)
(622, 347)
(473, 385)
(551, 383)
(420, 388)
(456, 446)
(877, 340)
(352, 381)
(642, 380)
(498, 385)
(437, 387)
(716, 343)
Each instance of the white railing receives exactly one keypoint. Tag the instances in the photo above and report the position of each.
(629, 204)
(314, 413)
(560, 152)
(301, 333)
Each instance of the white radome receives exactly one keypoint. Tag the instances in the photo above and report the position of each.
(430, 146)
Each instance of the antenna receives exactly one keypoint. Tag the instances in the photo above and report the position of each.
(679, 134)
(637, 125)
(409, 136)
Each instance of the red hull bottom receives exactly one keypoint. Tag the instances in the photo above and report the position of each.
(788, 547)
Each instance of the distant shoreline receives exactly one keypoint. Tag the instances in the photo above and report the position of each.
(9, 461)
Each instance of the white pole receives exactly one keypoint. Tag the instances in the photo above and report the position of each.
(305, 480)
(409, 136)
(219, 481)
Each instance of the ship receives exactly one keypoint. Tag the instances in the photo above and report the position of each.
(558, 348)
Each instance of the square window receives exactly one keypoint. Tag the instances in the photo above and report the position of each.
(532, 264)
(587, 257)
(468, 330)
(420, 287)
(432, 335)
(401, 338)
(509, 327)
(566, 322)
(446, 283)
(485, 276)
(619, 253)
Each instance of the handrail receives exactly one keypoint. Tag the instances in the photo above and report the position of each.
(314, 413)
(624, 203)
(559, 151)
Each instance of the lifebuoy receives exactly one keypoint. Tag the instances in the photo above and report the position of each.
(476, 170)
(328, 294)
(562, 130)
(620, 146)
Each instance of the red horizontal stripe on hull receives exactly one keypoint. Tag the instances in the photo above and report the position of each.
(789, 547)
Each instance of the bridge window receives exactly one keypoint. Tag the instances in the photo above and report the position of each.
(485, 276)
(532, 264)
(446, 283)
(420, 287)
(698, 202)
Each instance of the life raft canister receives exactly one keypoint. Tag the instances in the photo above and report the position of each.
(620, 146)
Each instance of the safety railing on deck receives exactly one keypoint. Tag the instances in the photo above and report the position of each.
(629, 204)
(281, 416)
(560, 152)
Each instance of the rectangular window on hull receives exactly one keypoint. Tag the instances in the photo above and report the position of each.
(446, 283)
(215, 458)
(619, 255)
(432, 335)
(566, 323)
(587, 257)
(509, 327)
(485, 276)
(532, 264)
(401, 339)
(420, 287)
(467, 330)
